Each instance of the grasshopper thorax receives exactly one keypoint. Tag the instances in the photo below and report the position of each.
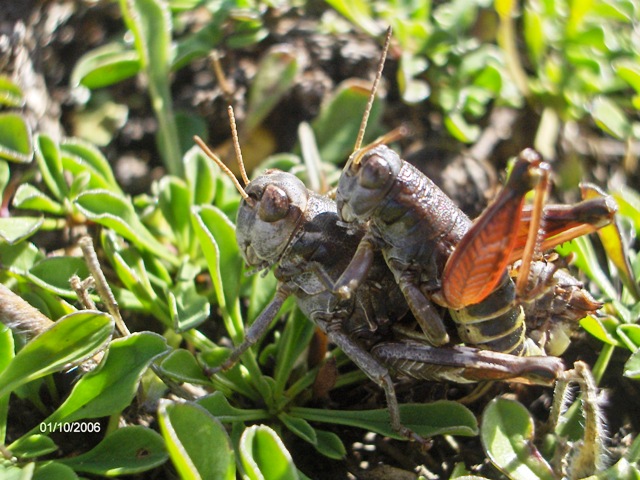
(270, 216)
(366, 181)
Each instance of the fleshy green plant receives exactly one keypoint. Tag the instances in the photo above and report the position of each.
(442, 59)
(159, 49)
(580, 62)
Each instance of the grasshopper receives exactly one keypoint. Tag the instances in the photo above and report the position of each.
(440, 258)
(283, 225)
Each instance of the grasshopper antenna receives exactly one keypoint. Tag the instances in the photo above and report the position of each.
(374, 88)
(226, 88)
(221, 164)
(236, 145)
(359, 151)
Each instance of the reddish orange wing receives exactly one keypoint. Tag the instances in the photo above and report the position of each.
(480, 259)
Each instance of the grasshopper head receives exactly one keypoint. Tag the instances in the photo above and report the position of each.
(365, 182)
(270, 216)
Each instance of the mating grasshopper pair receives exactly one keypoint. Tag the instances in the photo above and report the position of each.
(394, 243)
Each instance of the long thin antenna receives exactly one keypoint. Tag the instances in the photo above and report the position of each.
(374, 88)
(220, 163)
(236, 145)
(227, 91)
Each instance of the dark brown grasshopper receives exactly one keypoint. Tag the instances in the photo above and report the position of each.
(283, 224)
(439, 257)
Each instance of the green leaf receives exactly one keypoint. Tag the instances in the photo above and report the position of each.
(534, 34)
(19, 258)
(504, 7)
(199, 176)
(629, 71)
(330, 445)
(219, 407)
(150, 22)
(71, 339)
(460, 129)
(628, 201)
(49, 303)
(508, 440)
(436, 418)
(201, 43)
(100, 119)
(54, 471)
(187, 307)
(29, 197)
(11, 95)
(151, 25)
(105, 65)
(5, 174)
(622, 470)
(602, 328)
(182, 5)
(33, 446)
(632, 366)
(78, 155)
(50, 164)
(263, 455)
(15, 229)
(15, 138)
(633, 453)
(53, 273)
(174, 202)
(182, 366)
(112, 385)
(413, 90)
(117, 212)
(7, 349)
(586, 260)
(198, 444)
(125, 451)
(300, 427)
(217, 239)
(294, 341)
(136, 274)
(129, 266)
(336, 127)
(630, 334)
(246, 34)
(262, 289)
(359, 12)
(610, 118)
(614, 245)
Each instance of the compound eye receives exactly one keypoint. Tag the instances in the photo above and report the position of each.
(374, 173)
(274, 205)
